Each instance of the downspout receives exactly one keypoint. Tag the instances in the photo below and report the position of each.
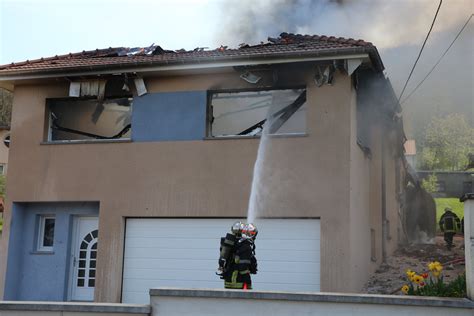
(384, 205)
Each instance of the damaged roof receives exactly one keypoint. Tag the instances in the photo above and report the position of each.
(287, 45)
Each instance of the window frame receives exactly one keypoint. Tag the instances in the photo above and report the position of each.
(40, 236)
(209, 111)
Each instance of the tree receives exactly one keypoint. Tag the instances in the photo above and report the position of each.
(447, 143)
(430, 184)
(6, 101)
(2, 195)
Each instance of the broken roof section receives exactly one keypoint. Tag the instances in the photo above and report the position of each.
(120, 58)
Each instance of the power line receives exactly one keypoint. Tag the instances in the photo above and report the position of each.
(439, 60)
(421, 50)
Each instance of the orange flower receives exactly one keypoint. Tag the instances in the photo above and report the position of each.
(425, 275)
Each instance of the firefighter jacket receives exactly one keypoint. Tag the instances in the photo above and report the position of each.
(449, 222)
(241, 265)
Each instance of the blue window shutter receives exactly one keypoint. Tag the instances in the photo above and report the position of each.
(169, 116)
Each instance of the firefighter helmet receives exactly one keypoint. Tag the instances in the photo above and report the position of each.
(236, 228)
(250, 231)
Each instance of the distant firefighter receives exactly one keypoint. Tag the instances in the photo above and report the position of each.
(237, 256)
(449, 224)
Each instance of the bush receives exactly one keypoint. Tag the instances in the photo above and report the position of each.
(430, 183)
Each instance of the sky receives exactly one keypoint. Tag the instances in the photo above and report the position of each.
(31, 29)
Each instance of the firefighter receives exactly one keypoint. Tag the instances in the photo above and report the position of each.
(227, 246)
(243, 262)
(449, 224)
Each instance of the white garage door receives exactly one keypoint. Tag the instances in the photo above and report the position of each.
(184, 252)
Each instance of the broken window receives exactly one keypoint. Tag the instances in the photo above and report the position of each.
(80, 119)
(245, 113)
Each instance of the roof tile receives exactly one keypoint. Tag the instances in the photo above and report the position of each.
(285, 44)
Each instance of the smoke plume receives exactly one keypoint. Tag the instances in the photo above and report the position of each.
(396, 27)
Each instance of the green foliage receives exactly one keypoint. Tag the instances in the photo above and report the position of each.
(6, 101)
(447, 142)
(2, 194)
(2, 185)
(437, 287)
(429, 184)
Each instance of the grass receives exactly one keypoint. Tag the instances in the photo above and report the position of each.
(453, 203)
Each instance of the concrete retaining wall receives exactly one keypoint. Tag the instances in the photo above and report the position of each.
(170, 302)
(14, 308)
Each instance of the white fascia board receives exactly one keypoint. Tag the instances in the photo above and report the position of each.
(181, 67)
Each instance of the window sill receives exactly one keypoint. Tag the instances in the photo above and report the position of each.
(87, 141)
(256, 136)
(42, 252)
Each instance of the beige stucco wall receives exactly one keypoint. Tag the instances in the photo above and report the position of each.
(310, 176)
(359, 218)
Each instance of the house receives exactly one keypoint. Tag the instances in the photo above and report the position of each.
(128, 165)
(410, 152)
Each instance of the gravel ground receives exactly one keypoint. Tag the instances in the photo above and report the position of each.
(389, 279)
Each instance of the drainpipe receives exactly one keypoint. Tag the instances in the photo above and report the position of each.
(384, 205)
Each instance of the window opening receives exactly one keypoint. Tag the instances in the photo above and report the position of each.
(46, 233)
(245, 113)
(73, 119)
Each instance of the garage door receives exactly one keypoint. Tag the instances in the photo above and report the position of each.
(184, 252)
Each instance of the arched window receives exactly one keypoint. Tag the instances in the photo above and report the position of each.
(87, 260)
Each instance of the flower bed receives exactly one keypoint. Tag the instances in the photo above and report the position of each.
(432, 284)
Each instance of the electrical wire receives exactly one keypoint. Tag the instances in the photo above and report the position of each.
(439, 60)
(421, 50)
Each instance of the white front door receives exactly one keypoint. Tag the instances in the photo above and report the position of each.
(84, 256)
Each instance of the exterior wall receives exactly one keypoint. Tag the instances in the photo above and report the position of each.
(204, 306)
(171, 302)
(182, 116)
(9, 308)
(391, 198)
(38, 276)
(456, 183)
(309, 176)
(375, 186)
(469, 246)
(359, 204)
(3, 150)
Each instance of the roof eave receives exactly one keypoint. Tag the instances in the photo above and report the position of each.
(214, 62)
